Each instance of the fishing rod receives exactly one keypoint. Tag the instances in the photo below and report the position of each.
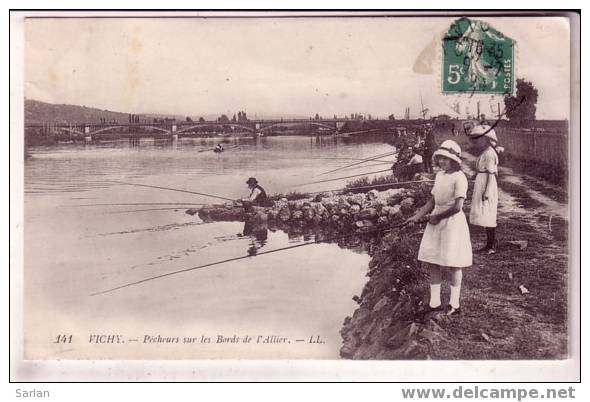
(377, 185)
(368, 166)
(174, 189)
(346, 159)
(381, 162)
(341, 178)
(358, 163)
(126, 204)
(373, 186)
(242, 258)
(150, 209)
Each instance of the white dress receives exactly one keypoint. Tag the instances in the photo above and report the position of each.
(447, 243)
(484, 213)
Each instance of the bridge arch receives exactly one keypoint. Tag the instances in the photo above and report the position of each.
(105, 129)
(311, 123)
(70, 130)
(184, 129)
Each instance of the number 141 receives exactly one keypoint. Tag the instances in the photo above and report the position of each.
(63, 339)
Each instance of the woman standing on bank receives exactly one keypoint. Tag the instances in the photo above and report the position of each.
(484, 204)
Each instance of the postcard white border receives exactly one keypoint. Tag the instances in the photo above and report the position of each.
(296, 370)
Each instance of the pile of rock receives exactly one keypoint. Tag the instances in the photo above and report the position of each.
(349, 211)
(358, 210)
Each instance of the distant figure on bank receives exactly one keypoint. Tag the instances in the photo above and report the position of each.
(484, 203)
(429, 147)
(415, 163)
(257, 195)
(218, 148)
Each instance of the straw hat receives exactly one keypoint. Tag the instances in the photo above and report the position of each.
(483, 130)
(449, 149)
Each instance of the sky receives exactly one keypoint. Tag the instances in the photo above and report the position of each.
(275, 66)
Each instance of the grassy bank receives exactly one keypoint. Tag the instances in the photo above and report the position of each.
(514, 302)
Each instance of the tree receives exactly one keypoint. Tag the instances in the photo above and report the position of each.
(391, 117)
(242, 116)
(201, 120)
(223, 118)
(522, 108)
(188, 119)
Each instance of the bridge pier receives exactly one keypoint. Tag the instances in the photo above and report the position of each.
(134, 140)
(87, 136)
(174, 133)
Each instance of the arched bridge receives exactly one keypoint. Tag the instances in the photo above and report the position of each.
(167, 128)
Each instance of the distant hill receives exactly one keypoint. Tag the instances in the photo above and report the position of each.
(37, 112)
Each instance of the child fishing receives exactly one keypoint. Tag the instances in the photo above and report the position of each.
(484, 204)
(446, 241)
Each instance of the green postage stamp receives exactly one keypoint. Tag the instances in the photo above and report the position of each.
(477, 59)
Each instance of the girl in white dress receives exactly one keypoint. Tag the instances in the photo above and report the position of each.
(484, 203)
(446, 241)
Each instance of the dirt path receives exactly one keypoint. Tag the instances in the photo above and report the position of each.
(546, 197)
(500, 321)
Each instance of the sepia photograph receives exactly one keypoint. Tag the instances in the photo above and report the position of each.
(271, 186)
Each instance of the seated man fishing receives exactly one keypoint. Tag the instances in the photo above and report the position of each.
(257, 198)
(414, 165)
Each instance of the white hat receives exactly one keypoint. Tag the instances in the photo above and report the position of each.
(449, 149)
(483, 130)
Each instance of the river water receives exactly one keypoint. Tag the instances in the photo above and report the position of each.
(82, 237)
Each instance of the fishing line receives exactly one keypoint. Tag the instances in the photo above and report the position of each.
(132, 204)
(174, 189)
(243, 257)
(368, 166)
(358, 163)
(180, 207)
(345, 177)
(343, 159)
(373, 186)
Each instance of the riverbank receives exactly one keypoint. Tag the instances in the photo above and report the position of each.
(514, 303)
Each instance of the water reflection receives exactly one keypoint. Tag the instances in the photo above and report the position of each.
(258, 234)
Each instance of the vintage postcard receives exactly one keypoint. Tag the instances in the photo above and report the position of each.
(359, 196)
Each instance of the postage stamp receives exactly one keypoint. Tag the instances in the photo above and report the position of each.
(477, 59)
